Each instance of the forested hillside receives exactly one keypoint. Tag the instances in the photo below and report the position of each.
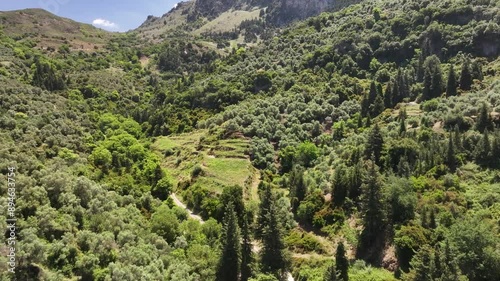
(359, 144)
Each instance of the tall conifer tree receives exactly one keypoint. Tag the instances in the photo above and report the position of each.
(466, 75)
(340, 186)
(484, 121)
(246, 251)
(433, 78)
(298, 187)
(372, 237)
(228, 268)
(341, 263)
(266, 196)
(274, 257)
(375, 144)
(450, 155)
(451, 85)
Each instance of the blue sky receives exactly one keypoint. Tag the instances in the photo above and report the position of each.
(113, 15)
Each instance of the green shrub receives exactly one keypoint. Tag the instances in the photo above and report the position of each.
(197, 171)
(430, 105)
(303, 241)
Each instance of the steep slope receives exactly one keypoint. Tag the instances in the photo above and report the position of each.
(51, 31)
(155, 28)
(202, 16)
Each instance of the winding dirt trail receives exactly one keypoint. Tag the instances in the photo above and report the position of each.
(178, 203)
(255, 245)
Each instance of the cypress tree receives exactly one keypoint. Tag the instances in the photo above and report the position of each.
(274, 258)
(228, 268)
(378, 106)
(477, 71)
(420, 68)
(423, 218)
(234, 194)
(365, 106)
(457, 138)
(298, 187)
(483, 150)
(266, 196)
(422, 264)
(360, 121)
(466, 76)
(404, 169)
(338, 134)
(433, 78)
(246, 251)
(449, 265)
(426, 94)
(395, 92)
(484, 121)
(402, 126)
(403, 89)
(380, 90)
(437, 269)
(375, 144)
(432, 219)
(451, 85)
(373, 92)
(427, 48)
(437, 78)
(371, 241)
(406, 90)
(388, 96)
(340, 188)
(354, 156)
(158, 174)
(355, 181)
(341, 263)
(368, 121)
(450, 155)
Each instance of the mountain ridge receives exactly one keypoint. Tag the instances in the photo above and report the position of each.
(50, 31)
(195, 14)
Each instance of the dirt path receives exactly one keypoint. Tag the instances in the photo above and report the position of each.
(178, 203)
(306, 256)
(256, 247)
(254, 187)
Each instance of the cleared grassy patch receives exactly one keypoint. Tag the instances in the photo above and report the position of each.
(233, 148)
(223, 162)
(227, 21)
(165, 144)
(412, 109)
(228, 171)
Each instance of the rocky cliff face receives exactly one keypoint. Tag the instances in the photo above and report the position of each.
(284, 11)
(213, 8)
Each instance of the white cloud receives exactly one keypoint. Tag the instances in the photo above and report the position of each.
(105, 24)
